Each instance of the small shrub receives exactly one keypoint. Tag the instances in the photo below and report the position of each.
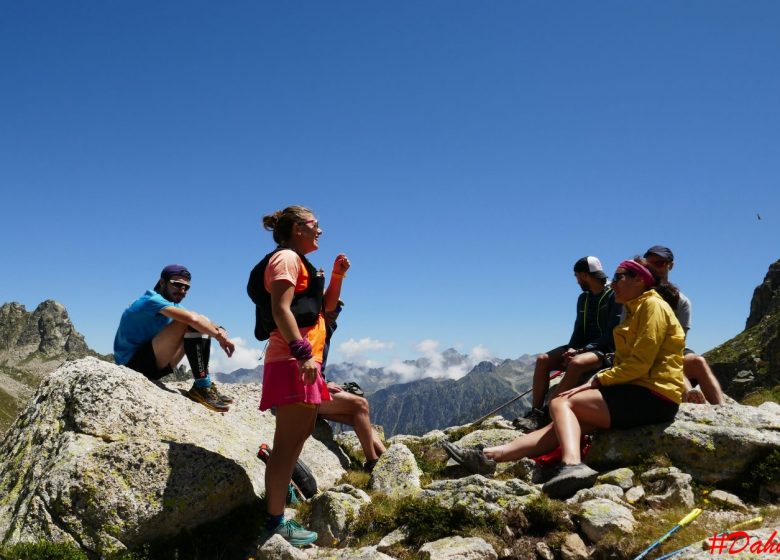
(545, 514)
(762, 471)
(771, 394)
(43, 551)
(358, 479)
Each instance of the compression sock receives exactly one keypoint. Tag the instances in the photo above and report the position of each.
(197, 348)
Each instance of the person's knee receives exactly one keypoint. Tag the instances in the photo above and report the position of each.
(694, 366)
(557, 405)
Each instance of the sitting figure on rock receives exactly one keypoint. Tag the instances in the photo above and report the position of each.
(589, 349)
(156, 332)
(696, 369)
(644, 386)
(348, 408)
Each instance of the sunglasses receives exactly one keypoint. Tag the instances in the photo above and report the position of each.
(178, 284)
(314, 223)
(620, 275)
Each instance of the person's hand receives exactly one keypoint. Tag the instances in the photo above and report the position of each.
(341, 264)
(334, 387)
(308, 371)
(227, 345)
(568, 355)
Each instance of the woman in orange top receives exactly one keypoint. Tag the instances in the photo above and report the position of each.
(292, 378)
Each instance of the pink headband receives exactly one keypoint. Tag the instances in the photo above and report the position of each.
(644, 275)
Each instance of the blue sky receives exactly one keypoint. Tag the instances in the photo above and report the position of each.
(463, 154)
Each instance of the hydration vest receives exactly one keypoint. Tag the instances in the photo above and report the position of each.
(305, 306)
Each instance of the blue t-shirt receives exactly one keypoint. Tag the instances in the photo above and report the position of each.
(140, 323)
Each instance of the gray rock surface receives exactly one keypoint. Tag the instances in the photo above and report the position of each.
(573, 548)
(601, 516)
(106, 459)
(276, 548)
(480, 495)
(608, 491)
(623, 477)
(666, 487)
(333, 511)
(458, 548)
(712, 443)
(396, 473)
(727, 500)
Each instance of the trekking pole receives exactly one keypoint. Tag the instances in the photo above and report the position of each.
(758, 519)
(680, 524)
(506, 404)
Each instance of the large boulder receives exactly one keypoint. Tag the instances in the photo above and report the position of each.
(712, 443)
(108, 460)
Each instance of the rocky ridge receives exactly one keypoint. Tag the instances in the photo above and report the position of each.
(32, 345)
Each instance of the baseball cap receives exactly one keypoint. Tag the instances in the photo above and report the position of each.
(661, 251)
(591, 265)
(175, 270)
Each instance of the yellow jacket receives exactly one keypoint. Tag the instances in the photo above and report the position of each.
(649, 346)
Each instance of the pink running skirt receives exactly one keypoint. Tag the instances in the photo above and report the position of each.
(282, 385)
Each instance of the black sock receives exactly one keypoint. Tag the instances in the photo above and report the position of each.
(197, 349)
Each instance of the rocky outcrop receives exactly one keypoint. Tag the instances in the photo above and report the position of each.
(712, 443)
(751, 360)
(33, 345)
(108, 460)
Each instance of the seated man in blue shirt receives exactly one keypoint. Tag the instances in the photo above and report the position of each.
(156, 332)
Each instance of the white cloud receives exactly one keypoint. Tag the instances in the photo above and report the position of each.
(352, 348)
(244, 357)
(436, 365)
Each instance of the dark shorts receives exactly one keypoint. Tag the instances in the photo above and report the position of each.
(631, 406)
(144, 361)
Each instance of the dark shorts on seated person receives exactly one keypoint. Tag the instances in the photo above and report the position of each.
(145, 362)
(631, 406)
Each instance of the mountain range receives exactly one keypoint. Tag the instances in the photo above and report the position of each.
(33, 344)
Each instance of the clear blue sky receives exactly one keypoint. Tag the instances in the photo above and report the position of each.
(463, 154)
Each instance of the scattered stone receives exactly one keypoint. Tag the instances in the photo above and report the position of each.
(277, 548)
(573, 548)
(525, 469)
(633, 495)
(608, 491)
(365, 553)
(458, 548)
(388, 541)
(667, 486)
(623, 477)
(488, 437)
(726, 500)
(334, 510)
(396, 473)
(543, 551)
(601, 516)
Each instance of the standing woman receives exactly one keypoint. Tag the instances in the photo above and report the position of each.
(644, 386)
(289, 298)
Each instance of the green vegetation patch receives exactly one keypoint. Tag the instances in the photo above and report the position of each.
(424, 519)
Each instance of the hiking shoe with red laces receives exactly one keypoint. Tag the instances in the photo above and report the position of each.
(208, 397)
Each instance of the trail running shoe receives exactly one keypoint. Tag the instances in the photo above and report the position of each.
(208, 397)
(568, 480)
(533, 420)
(471, 458)
(293, 533)
(222, 396)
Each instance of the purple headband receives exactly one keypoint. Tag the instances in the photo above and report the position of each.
(644, 275)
